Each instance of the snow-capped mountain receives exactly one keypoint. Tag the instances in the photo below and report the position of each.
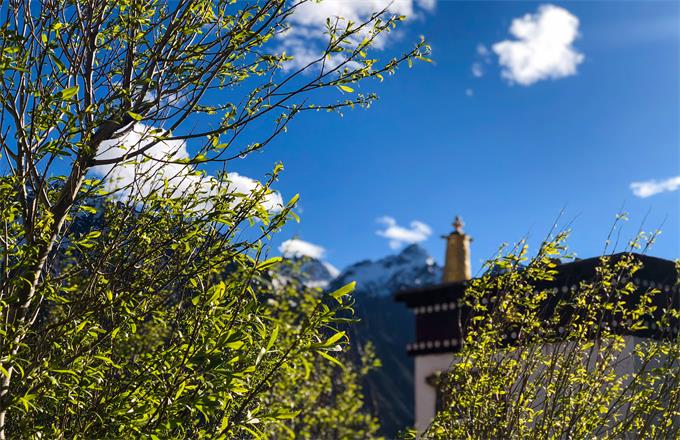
(309, 271)
(317, 273)
(410, 268)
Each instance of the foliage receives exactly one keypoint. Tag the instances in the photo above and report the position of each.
(324, 387)
(538, 364)
(145, 317)
(218, 352)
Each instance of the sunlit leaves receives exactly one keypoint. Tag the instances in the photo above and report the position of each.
(150, 311)
(69, 92)
(344, 290)
(550, 363)
(135, 116)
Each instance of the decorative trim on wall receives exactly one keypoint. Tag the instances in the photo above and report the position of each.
(453, 305)
(436, 344)
(436, 308)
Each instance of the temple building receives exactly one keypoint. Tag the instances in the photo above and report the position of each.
(440, 315)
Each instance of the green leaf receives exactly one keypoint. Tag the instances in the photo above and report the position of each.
(272, 338)
(89, 209)
(135, 116)
(26, 400)
(260, 356)
(333, 339)
(217, 292)
(293, 200)
(234, 345)
(107, 360)
(71, 372)
(331, 358)
(344, 290)
(270, 262)
(283, 414)
(93, 234)
(81, 326)
(180, 390)
(69, 92)
(346, 89)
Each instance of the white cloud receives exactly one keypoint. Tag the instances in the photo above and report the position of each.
(469, 93)
(314, 13)
(245, 185)
(542, 48)
(477, 70)
(652, 187)
(296, 248)
(312, 275)
(145, 175)
(483, 57)
(306, 36)
(399, 235)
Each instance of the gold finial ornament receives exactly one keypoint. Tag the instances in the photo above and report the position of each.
(458, 225)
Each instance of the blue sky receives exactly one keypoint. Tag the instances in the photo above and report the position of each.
(527, 110)
(510, 157)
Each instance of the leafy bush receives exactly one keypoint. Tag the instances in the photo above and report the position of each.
(537, 363)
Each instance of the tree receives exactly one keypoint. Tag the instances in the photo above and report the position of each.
(327, 395)
(141, 315)
(542, 364)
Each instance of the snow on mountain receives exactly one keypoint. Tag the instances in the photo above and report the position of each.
(317, 273)
(410, 268)
(311, 272)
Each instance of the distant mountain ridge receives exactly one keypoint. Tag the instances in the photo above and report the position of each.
(412, 267)
(311, 272)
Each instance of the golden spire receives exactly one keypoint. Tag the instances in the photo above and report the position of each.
(457, 261)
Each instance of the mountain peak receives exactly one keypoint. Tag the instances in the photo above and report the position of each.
(412, 267)
(312, 272)
(414, 249)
